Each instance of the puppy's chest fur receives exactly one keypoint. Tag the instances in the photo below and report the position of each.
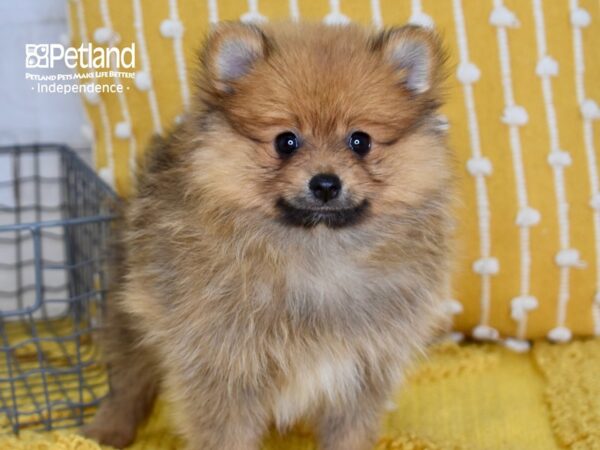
(331, 370)
(315, 327)
(326, 376)
(326, 281)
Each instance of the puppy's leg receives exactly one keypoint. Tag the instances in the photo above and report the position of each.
(351, 427)
(133, 385)
(234, 433)
(212, 415)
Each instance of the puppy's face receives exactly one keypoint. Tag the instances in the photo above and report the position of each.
(315, 125)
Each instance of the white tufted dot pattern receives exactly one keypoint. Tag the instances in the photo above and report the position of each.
(580, 18)
(515, 115)
(486, 266)
(559, 158)
(123, 130)
(503, 17)
(479, 166)
(547, 67)
(569, 257)
(517, 345)
(421, 19)
(560, 335)
(528, 217)
(103, 35)
(468, 72)
(142, 81)
(590, 109)
(170, 28)
(485, 333)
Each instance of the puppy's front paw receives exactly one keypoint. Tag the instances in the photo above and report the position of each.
(109, 432)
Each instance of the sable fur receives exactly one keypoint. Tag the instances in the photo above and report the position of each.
(244, 321)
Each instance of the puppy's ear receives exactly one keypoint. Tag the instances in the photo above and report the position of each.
(415, 53)
(231, 51)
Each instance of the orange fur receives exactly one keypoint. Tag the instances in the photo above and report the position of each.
(245, 319)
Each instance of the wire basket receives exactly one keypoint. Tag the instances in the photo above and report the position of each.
(55, 218)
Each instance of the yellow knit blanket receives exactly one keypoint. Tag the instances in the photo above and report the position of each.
(470, 396)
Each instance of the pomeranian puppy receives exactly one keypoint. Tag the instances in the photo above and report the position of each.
(288, 247)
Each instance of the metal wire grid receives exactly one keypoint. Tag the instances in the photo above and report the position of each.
(55, 217)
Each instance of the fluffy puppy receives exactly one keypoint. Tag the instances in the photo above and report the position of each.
(288, 248)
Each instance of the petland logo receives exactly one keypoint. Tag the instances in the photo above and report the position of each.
(45, 56)
(92, 70)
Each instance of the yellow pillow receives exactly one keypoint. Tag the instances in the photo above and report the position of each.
(522, 118)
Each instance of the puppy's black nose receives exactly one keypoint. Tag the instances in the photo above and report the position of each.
(325, 186)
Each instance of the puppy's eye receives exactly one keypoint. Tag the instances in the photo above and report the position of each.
(360, 143)
(286, 143)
